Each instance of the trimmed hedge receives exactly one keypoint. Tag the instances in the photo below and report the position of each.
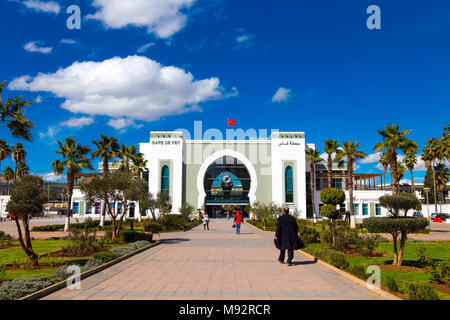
(332, 257)
(79, 226)
(392, 224)
(18, 288)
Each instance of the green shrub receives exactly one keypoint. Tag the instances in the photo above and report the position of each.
(5, 239)
(309, 235)
(358, 271)
(2, 272)
(366, 245)
(18, 288)
(104, 256)
(332, 257)
(424, 260)
(391, 284)
(152, 226)
(421, 291)
(90, 264)
(440, 271)
(173, 222)
(326, 236)
(133, 236)
(82, 243)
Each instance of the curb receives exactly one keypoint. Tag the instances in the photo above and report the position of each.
(60, 285)
(346, 275)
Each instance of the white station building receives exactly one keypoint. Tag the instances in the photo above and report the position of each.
(218, 175)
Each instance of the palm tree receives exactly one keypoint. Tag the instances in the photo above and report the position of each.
(394, 140)
(139, 164)
(351, 153)
(18, 154)
(126, 155)
(384, 160)
(313, 156)
(107, 148)
(331, 146)
(410, 162)
(22, 170)
(429, 155)
(5, 151)
(12, 113)
(74, 158)
(8, 175)
(442, 177)
(401, 170)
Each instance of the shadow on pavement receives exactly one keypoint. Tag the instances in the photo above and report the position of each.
(300, 263)
(173, 241)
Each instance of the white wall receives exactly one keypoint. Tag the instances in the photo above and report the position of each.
(3, 202)
(289, 149)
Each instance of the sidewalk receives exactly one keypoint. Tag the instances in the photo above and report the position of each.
(216, 264)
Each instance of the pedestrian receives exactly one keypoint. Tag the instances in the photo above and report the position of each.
(228, 214)
(205, 221)
(238, 221)
(286, 237)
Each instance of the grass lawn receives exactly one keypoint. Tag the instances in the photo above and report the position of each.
(439, 251)
(16, 256)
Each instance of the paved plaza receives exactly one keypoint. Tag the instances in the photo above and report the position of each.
(216, 264)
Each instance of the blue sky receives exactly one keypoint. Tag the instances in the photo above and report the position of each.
(161, 65)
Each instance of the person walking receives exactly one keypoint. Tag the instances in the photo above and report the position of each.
(205, 221)
(286, 237)
(238, 221)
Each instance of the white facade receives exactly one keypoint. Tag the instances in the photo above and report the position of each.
(3, 202)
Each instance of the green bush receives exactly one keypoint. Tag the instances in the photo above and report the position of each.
(440, 271)
(104, 256)
(326, 236)
(358, 271)
(82, 243)
(18, 288)
(421, 291)
(424, 260)
(152, 226)
(2, 272)
(332, 257)
(5, 239)
(133, 236)
(391, 284)
(392, 224)
(173, 222)
(309, 235)
(367, 245)
(89, 223)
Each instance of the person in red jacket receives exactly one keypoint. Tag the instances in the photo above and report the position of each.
(238, 221)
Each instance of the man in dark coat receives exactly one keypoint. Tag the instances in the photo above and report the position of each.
(286, 236)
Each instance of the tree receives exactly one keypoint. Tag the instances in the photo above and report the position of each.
(107, 148)
(384, 161)
(410, 162)
(397, 225)
(312, 156)
(22, 170)
(116, 190)
(18, 154)
(126, 155)
(442, 177)
(8, 175)
(332, 197)
(331, 147)
(27, 198)
(394, 140)
(429, 156)
(12, 112)
(155, 203)
(401, 170)
(351, 153)
(74, 158)
(5, 151)
(186, 210)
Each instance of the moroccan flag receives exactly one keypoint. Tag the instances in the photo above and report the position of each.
(231, 123)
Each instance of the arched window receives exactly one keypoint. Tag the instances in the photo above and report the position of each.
(165, 182)
(289, 184)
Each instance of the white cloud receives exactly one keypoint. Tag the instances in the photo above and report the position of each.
(282, 95)
(52, 131)
(78, 122)
(69, 41)
(122, 123)
(420, 166)
(371, 158)
(44, 6)
(38, 99)
(145, 47)
(33, 46)
(52, 177)
(162, 17)
(244, 40)
(134, 87)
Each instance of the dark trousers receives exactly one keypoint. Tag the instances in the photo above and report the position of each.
(290, 255)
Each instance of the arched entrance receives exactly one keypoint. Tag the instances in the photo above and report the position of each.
(226, 179)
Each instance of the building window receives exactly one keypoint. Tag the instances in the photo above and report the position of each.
(165, 182)
(98, 207)
(318, 185)
(289, 184)
(356, 208)
(342, 208)
(378, 209)
(365, 208)
(76, 208)
(337, 183)
(88, 208)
